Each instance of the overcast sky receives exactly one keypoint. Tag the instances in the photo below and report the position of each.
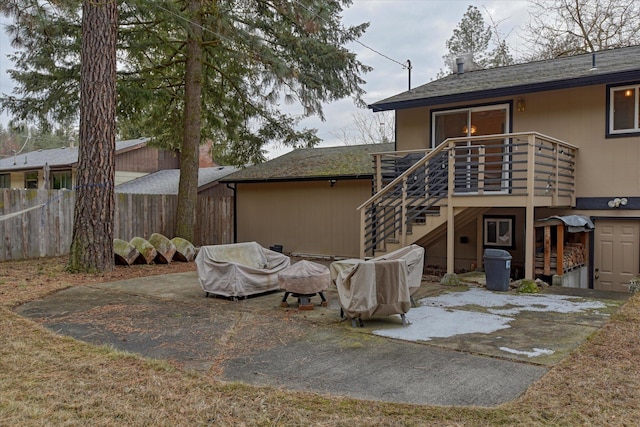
(402, 30)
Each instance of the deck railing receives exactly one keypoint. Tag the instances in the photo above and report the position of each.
(411, 185)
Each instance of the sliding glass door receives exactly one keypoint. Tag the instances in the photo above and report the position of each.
(491, 153)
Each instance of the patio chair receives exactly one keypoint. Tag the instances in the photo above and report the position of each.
(374, 288)
(239, 270)
(412, 254)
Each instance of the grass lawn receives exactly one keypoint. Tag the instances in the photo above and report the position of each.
(49, 379)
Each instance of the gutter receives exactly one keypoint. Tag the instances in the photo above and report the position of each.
(302, 179)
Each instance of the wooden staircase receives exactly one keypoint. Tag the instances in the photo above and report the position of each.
(421, 196)
(433, 228)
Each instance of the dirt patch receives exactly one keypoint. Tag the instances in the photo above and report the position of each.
(26, 280)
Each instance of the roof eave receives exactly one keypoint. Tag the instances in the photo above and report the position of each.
(507, 91)
(297, 179)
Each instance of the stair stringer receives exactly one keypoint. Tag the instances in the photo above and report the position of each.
(435, 228)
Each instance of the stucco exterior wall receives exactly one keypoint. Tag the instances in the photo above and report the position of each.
(307, 217)
(605, 166)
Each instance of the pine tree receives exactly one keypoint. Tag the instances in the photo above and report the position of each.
(472, 39)
(92, 242)
(256, 54)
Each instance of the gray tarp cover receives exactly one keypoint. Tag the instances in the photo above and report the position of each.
(239, 269)
(412, 254)
(305, 277)
(574, 223)
(373, 288)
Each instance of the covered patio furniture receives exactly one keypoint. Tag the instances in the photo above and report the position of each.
(239, 270)
(412, 254)
(374, 288)
(303, 280)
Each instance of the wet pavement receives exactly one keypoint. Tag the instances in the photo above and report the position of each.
(465, 346)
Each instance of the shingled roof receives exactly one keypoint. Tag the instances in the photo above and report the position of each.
(350, 161)
(58, 157)
(603, 67)
(166, 181)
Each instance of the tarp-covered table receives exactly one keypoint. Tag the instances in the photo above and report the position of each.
(303, 280)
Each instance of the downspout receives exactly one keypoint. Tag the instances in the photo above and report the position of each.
(235, 211)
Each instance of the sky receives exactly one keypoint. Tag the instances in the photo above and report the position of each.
(399, 30)
(415, 30)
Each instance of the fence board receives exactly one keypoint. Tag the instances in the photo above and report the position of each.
(43, 225)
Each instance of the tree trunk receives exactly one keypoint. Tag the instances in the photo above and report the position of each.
(189, 154)
(92, 243)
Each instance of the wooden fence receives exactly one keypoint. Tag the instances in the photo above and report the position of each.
(39, 223)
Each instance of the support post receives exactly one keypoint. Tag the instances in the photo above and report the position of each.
(362, 231)
(530, 244)
(450, 224)
(403, 215)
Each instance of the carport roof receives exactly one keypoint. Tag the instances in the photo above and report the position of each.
(351, 161)
(166, 181)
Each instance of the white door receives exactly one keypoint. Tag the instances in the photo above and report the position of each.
(617, 254)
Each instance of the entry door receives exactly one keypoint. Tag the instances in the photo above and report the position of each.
(476, 121)
(617, 254)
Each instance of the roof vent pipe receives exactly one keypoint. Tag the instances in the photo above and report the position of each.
(460, 65)
(593, 62)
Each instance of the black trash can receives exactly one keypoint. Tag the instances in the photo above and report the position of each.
(497, 268)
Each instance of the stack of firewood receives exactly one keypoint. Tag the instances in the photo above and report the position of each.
(574, 255)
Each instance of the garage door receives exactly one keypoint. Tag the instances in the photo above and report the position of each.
(617, 255)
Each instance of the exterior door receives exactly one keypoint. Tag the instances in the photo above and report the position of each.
(617, 254)
(476, 121)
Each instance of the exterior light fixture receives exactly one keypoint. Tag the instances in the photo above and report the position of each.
(332, 182)
(465, 129)
(617, 202)
(628, 92)
(521, 105)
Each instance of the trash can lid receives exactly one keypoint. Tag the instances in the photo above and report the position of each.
(497, 253)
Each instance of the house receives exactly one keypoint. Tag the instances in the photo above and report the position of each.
(56, 168)
(495, 152)
(306, 200)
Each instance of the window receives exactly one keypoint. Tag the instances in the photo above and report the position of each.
(624, 113)
(475, 121)
(31, 179)
(498, 231)
(61, 180)
(5, 180)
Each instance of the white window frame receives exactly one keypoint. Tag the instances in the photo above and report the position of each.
(498, 241)
(636, 112)
(469, 110)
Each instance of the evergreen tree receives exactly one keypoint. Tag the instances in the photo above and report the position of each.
(92, 241)
(471, 37)
(471, 40)
(256, 54)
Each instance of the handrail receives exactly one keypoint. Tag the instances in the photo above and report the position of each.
(431, 152)
(398, 208)
(401, 177)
